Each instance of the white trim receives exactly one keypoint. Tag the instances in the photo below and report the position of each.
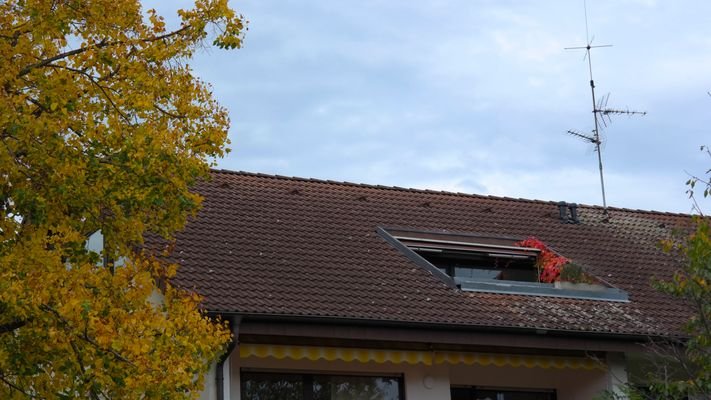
(469, 244)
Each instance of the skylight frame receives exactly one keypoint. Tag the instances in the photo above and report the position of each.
(602, 293)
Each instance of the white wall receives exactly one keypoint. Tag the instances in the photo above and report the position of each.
(569, 384)
(617, 377)
(433, 382)
(210, 391)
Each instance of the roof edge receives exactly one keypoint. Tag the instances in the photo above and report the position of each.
(440, 192)
(541, 331)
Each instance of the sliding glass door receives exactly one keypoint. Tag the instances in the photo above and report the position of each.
(285, 386)
(479, 393)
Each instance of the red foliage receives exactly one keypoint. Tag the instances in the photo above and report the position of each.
(549, 263)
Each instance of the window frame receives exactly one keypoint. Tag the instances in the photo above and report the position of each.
(308, 378)
(474, 388)
(399, 238)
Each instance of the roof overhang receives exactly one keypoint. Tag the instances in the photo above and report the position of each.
(331, 332)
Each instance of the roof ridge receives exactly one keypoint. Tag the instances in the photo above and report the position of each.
(442, 192)
(378, 186)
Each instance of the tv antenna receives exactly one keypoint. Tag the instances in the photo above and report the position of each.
(601, 113)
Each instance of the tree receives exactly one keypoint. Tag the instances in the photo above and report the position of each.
(104, 128)
(682, 366)
(702, 181)
(692, 283)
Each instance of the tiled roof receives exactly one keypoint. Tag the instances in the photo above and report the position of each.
(283, 246)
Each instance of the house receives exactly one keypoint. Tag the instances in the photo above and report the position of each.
(348, 291)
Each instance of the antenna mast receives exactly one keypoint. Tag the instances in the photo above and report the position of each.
(600, 110)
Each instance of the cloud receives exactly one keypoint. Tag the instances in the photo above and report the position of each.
(580, 186)
(472, 96)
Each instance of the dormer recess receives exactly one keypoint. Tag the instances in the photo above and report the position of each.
(479, 263)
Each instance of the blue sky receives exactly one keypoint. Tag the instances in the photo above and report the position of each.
(469, 95)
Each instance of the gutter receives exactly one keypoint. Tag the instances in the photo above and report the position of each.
(596, 335)
(234, 322)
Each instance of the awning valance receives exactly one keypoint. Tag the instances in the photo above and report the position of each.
(380, 356)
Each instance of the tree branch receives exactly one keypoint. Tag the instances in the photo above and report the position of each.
(169, 34)
(168, 113)
(15, 387)
(9, 327)
(80, 361)
(94, 81)
(84, 336)
(100, 45)
(47, 61)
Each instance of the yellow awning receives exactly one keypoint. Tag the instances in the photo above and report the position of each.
(379, 356)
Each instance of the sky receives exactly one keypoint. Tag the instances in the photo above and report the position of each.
(472, 96)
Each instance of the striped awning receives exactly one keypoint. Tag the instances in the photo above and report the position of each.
(312, 353)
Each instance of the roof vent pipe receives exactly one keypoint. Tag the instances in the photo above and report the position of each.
(573, 213)
(563, 211)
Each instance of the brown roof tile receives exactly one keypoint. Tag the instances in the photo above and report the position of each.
(275, 245)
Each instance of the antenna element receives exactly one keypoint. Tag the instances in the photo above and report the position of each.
(601, 114)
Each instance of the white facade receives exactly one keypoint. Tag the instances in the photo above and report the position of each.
(429, 382)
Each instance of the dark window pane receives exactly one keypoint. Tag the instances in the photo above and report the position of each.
(276, 386)
(476, 273)
(467, 393)
(328, 387)
(271, 387)
(512, 395)
(487, 395)
(482, 266)
(527, 395)
(461, 393)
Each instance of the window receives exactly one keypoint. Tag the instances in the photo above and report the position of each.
(477, 263)
(95, 244)
(478, 258)
(477, 393)
(481, 262)
(286, 386)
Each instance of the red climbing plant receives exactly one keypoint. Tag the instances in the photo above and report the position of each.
(549, 263)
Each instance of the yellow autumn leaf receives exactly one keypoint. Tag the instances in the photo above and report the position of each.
(103, 127)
